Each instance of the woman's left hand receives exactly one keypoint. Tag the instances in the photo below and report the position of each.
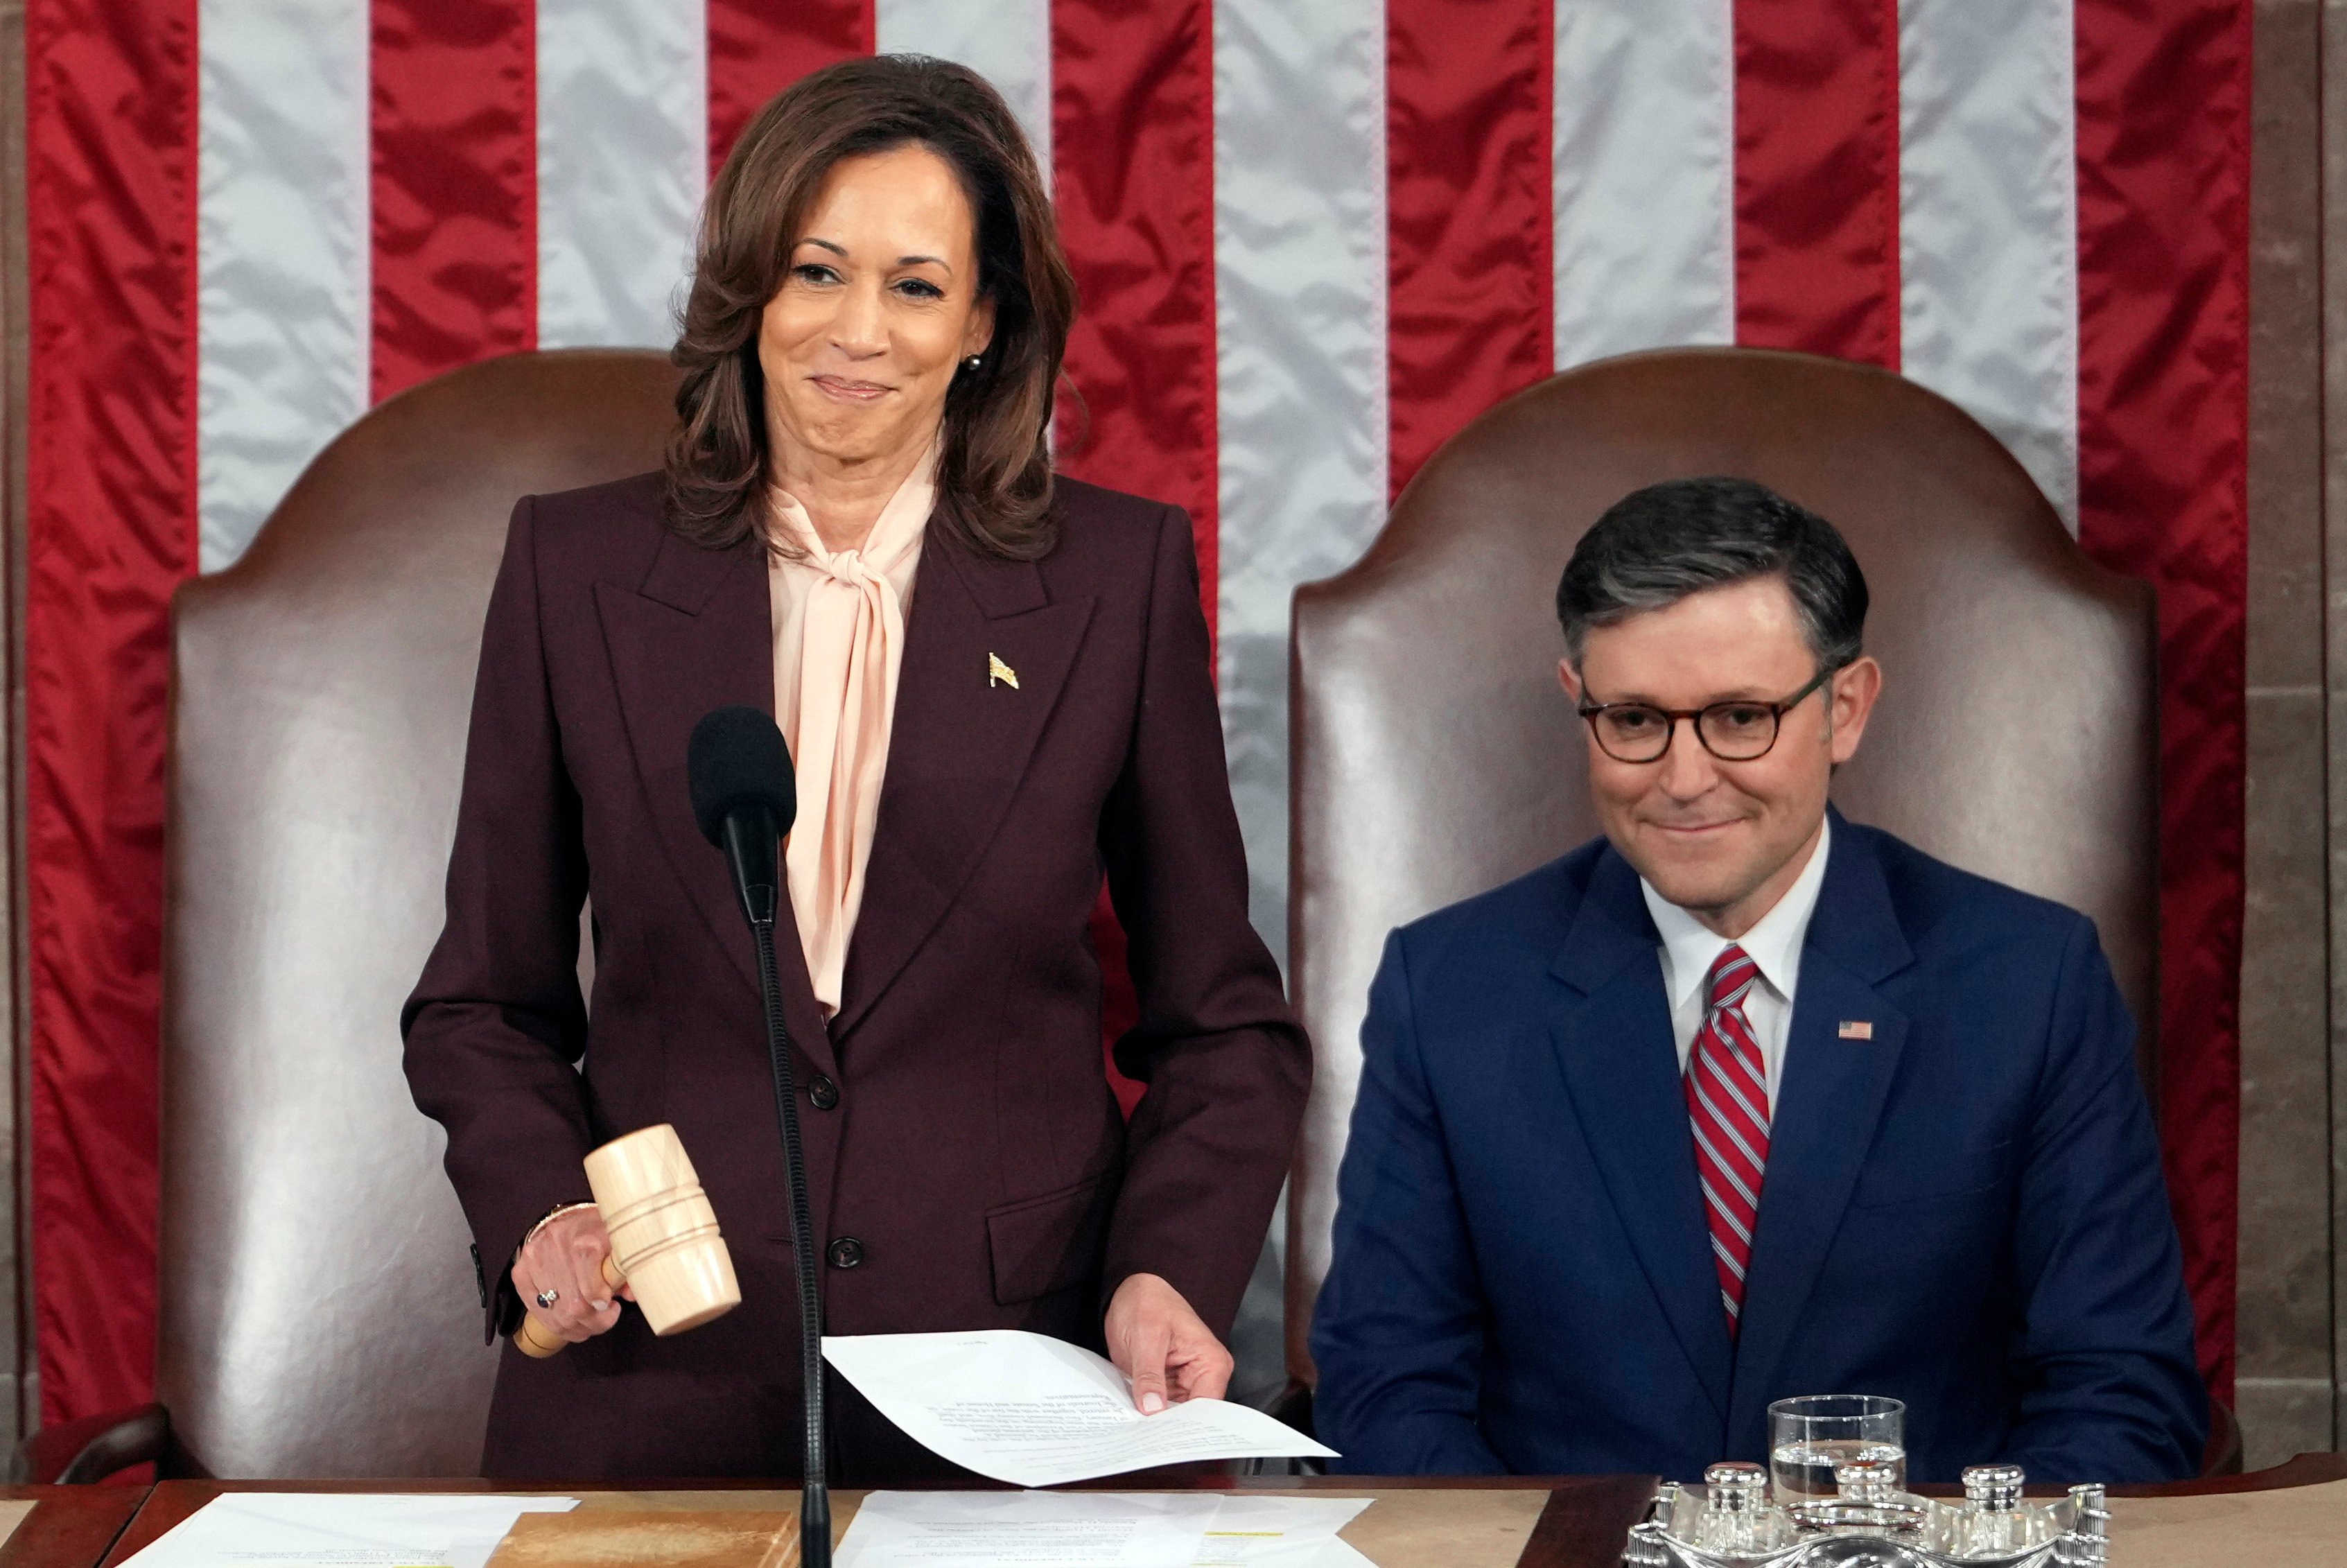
(1163, 1346)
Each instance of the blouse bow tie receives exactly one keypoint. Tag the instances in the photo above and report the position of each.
(836, 693)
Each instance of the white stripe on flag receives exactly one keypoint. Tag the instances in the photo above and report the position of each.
(1988, 223)
(1644, 170)
(1008, 42)
(622, 161)
(282, 252)
(1300, 318)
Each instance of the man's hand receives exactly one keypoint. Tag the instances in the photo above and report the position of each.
(566, 1257)
(1163, 1346)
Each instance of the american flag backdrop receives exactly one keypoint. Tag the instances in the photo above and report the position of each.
(1314, 238)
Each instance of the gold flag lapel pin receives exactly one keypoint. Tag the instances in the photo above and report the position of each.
(999, 674)
(1857, 1028)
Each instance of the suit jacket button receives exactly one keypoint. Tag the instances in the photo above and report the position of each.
(846, 1252)
(824, 1093)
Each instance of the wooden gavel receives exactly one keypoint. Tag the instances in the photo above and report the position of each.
(664, 1237)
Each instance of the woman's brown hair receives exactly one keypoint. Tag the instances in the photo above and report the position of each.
(994, 475)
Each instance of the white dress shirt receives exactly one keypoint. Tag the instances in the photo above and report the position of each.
(1774, 946)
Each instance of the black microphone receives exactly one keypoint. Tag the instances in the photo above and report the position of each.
(744, 797)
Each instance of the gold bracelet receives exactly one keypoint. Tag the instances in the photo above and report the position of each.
(548, 1218)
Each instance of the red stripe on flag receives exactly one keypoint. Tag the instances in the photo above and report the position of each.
(1133, 140)
(1469, 214)
(756, 49)
(110, 155)
(1133, 137)
(2163, 410)
(453, 125)
(1816, 178)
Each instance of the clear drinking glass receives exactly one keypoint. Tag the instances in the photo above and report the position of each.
(1809, 1436)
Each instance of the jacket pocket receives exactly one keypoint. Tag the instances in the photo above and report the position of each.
(1951, 1178)
(1050, 1242)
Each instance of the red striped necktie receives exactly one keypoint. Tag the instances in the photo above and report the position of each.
(1728, 1100)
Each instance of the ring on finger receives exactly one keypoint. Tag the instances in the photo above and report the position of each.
(549, 1297)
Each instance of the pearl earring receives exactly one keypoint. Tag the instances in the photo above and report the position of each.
(971, 362)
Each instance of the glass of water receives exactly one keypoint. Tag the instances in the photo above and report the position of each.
(1809, 1436)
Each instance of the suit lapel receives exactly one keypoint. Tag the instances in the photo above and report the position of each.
(1611, 1033)
(700, 635)
(1829, 1103)
(958, 748)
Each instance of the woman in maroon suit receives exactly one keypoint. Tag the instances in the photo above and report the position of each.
(997, 690)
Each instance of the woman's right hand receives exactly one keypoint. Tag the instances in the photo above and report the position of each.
(565, 1256)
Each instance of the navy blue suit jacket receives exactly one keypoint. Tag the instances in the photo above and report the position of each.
(1965, 1211)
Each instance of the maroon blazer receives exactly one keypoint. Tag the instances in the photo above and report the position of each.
(966, 1161)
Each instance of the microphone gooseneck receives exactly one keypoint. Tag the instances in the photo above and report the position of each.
(744, 797)
(814, 1504)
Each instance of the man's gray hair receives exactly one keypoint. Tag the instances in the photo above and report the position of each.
(1657, 546)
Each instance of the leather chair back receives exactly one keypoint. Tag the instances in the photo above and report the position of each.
(319, 1311)
(1434, 755)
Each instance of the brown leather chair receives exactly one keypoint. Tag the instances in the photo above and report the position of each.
(1435, 756)
(319, 1309)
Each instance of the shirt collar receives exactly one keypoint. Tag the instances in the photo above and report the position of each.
(1773, 944)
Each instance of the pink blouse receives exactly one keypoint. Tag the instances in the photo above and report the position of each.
(839, 643)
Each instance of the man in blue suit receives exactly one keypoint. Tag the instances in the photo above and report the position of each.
(1745, 1101)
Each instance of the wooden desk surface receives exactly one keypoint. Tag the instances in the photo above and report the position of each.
(70, 1526)
(1582, 1525)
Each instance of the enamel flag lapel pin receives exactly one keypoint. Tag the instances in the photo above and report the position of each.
(999, 674)
(1856, 1028)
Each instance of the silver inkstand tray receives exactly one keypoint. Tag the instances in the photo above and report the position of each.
(1731, 1521)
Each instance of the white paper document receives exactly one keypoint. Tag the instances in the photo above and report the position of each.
(1280, 1532)
(993, 1529)
(343, 1530)
(1038, 1411)
(1098, 1530)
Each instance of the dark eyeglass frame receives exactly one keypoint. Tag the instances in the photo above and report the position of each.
(1593, 711)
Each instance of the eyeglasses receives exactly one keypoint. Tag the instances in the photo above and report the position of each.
(1738, 731)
